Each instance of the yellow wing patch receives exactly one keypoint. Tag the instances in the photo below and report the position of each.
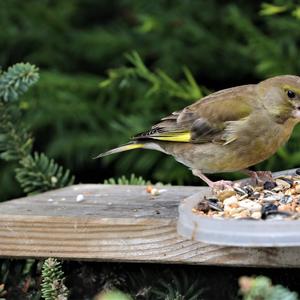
(182, 137)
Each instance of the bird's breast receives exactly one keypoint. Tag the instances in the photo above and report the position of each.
(255, 144)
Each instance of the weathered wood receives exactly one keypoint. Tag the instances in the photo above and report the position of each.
(117, 223)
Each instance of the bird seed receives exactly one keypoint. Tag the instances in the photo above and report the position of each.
(278, 199)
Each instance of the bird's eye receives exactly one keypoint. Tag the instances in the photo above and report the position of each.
(291, 94)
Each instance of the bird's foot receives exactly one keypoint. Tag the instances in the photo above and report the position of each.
(220, 185)
(260, 177)
(214, 185)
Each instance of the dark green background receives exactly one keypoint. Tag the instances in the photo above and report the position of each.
(75, 42)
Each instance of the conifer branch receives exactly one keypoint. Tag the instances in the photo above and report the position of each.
(36, 173)
(159, 81)
(53, 287)
(15, 141)
(16, 81)
(132, 180)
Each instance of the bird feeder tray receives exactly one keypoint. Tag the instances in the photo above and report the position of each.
(235, 232)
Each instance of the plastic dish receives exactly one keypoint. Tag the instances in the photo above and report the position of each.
(233, 232)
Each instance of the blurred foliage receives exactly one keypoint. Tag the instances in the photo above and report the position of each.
(179, 287)
(78, 44)
(2, 291)
(132, 180)
(112, 295)
(269, 9)
(21, 279)
(160, 82)
(261, 288)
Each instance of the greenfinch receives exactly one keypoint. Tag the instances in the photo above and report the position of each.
(229, 130)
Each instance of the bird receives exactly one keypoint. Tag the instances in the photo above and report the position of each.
(228, 130)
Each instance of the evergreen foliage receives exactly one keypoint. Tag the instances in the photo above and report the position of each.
(159, 81)
(15, 141)
(132, 180)
(53, 287)
(16, 81)
(36, 173)
(179, 287)
(166, 284)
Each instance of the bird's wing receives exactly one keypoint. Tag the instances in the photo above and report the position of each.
(215, 118)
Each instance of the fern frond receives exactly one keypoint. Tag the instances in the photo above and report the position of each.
(38, 173)
(16, 81)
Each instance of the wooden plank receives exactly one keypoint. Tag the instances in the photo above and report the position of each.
(117, 223)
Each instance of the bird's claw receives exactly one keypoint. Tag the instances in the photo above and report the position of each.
(214, 185)
(221, 185)
(261, 177)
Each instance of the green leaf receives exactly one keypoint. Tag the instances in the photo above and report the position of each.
(268, 9)
(296, 12)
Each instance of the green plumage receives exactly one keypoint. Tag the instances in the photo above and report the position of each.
(229, 130)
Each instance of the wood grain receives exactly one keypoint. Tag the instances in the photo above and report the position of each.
(117, 223)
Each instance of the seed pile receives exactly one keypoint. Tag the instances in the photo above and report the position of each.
(277, 199)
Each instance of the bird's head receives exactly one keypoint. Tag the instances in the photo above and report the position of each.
(281, 97)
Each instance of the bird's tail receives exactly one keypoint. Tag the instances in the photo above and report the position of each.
(129, 146)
